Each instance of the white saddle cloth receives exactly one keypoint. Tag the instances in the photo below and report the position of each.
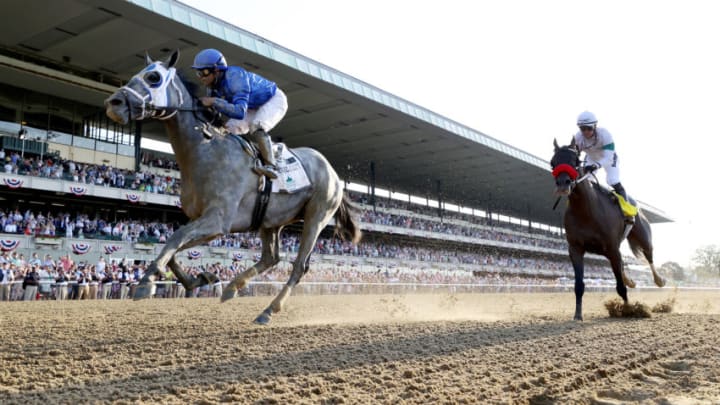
(291, 173)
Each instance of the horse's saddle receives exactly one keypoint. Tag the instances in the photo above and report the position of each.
(292, 176)
(628, 208)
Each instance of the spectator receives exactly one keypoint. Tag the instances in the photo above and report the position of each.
(30, 284)
(61, 283)
(6, 277)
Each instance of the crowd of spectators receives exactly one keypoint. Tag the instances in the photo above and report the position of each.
(105, 175)
(497, 234)
(407, 262)
(47, 278)
(63, 224)
(386, 204)
(153, 160)
(52, 167)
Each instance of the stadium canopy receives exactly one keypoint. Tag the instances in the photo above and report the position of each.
(84, 49)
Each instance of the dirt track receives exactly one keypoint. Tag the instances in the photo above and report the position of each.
(480, 348)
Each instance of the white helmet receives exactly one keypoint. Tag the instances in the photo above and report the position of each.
(586, 118)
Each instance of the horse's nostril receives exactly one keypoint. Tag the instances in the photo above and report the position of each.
(115, 101)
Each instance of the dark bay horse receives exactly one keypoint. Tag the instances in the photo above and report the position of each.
(219, 189)
(594, 224)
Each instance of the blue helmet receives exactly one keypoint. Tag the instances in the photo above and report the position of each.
(210, 59)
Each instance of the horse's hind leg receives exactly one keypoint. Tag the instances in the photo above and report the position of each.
(194, 282)
(640, 241)
(270, 257)
(311, 231)
(616, 264)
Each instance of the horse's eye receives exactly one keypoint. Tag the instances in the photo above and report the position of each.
(153, 78)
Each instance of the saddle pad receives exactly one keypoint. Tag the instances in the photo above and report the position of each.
(292, 176)
(628, 209)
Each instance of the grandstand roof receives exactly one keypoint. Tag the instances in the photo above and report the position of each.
(88, 47)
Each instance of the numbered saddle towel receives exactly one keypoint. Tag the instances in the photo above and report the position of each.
(291, 173)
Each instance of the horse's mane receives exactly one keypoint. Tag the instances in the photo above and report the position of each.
(191, 86)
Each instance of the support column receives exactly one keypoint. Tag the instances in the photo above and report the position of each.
(529, 211)
(439, 198)
(138, 136)
(372, 185)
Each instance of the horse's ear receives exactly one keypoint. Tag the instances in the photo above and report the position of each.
(572, 143)
(148, 59)
(172, 59)
(555, 144)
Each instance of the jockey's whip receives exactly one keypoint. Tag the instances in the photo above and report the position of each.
(556, 202)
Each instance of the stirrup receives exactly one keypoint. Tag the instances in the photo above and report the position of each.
(266, 170)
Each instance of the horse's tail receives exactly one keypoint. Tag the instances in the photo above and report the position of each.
(346, 226)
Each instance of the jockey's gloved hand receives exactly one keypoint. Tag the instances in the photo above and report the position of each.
(590, 168)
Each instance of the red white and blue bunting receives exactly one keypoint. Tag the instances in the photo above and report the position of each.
(178, 203)
(110, 249)
(78, 190)
(194, 254)
(133, 198)
(9, 244)
(12, 182)
(237, 256)
(80, 248)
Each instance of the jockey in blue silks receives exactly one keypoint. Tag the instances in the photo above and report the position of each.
(253, 103)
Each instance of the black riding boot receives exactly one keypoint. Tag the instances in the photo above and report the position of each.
(620, 190)
(265, 147)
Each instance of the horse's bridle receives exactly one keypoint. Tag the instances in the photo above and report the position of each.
(154, 104)
(573, 173)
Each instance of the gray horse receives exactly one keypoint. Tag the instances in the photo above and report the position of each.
(219, 189)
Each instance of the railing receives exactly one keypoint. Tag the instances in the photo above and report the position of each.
(170, 289)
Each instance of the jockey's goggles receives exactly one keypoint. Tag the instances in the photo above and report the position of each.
(584, 128)
(204, 72)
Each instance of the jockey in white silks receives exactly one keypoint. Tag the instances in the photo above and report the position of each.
(599, 148)
(255, 105)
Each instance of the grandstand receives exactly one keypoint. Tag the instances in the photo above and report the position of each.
(440, 202)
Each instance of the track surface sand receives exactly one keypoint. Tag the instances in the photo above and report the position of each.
(442, 348)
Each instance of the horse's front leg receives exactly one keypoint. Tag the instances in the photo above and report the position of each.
(201, 230)
(576, 257)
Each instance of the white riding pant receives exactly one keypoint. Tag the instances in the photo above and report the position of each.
(265, 117)
(612, 171)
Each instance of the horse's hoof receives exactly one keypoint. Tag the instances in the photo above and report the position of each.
(228, 294)
(660, 282)
(262, 319)
(142, 291)
(578, 318)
